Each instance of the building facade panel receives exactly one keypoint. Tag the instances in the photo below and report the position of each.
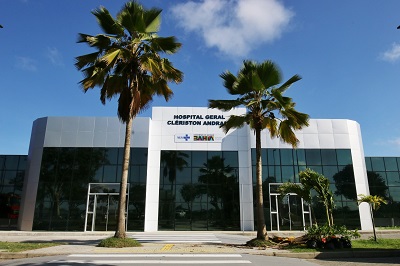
(185, 194)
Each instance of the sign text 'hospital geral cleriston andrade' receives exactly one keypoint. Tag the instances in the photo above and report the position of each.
(197, 120)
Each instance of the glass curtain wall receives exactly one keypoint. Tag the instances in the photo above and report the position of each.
(63, 185)
(384, 180)
(284, 165)
(12, 172)
(199, 190)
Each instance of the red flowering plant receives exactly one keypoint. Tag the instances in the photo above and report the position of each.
(330, 236)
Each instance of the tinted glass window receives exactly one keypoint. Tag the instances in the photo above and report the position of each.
(328, 157)
(390, 164)
(313, 157)
(377, 164)
(344, 157)
(287, 157)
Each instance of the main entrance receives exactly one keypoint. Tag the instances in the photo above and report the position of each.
(288, 212)
(102, 206)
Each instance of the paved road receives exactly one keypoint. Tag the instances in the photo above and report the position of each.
(157, 259)
(392, 261)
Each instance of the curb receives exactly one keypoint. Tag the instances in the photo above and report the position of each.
(341, 254)
(306, 255)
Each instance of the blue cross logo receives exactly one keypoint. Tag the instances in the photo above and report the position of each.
(186, 137)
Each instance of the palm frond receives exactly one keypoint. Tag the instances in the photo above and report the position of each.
(167, 45)
(112, 87)
(286, 133)
(269, 74)
(271, 125)
(86, 60)
(107, 22)
(235, 121)
(288, 83)
(224, 105)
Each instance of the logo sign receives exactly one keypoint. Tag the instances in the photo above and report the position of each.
(189, 138)
(183, 138)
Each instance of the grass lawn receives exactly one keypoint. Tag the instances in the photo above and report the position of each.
(113, 242)
(17, 247)
(382, 243)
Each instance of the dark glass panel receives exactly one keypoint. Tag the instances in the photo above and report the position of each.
(11, 162)
(134, 174)
(22, 162)
(395, 193)
(288, 174)
(344, 157)
(313, 157)
(111, 155)
(368, 163)
(139, 156)
(329, 172)
(2, 161)
(383, 178)
(328, 157)
(98, 177)
(110, 174)
(183, 176)
(301, 156)
(377, 164)
(121, 155)
(143, 173)
(274, 173)
(167, 211)
(390, 164)
(183, 193)
(253, 156)
(211, 154)
(393, 178)
(195, 175)
(199, 158)
(273, 157)
(287, 156)
(231, 158)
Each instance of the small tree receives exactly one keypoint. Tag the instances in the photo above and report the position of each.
(374, 202)
(311, 180)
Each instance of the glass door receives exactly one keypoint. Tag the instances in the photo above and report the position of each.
(102, 207)
(288, 212)
(106, 213)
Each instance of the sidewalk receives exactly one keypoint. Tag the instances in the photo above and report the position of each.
(229, 242)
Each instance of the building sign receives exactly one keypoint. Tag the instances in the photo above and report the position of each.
(197, 120)
(189, 138)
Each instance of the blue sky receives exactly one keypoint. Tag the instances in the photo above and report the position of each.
(347, 52)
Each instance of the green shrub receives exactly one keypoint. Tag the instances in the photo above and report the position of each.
(330, 237)
(113, 242)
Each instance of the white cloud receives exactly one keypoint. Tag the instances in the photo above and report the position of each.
(392, 54)
(395, 142)
(234, 27)
(25, 63)
(54, 56)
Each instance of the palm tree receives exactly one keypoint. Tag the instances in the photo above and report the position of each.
(256, 87)
(374, 202)
(127, 64)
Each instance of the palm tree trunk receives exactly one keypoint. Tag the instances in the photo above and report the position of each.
(261, 229)
(121, 232)
(373, 222)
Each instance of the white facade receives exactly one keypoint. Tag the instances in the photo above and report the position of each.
(175, 128)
